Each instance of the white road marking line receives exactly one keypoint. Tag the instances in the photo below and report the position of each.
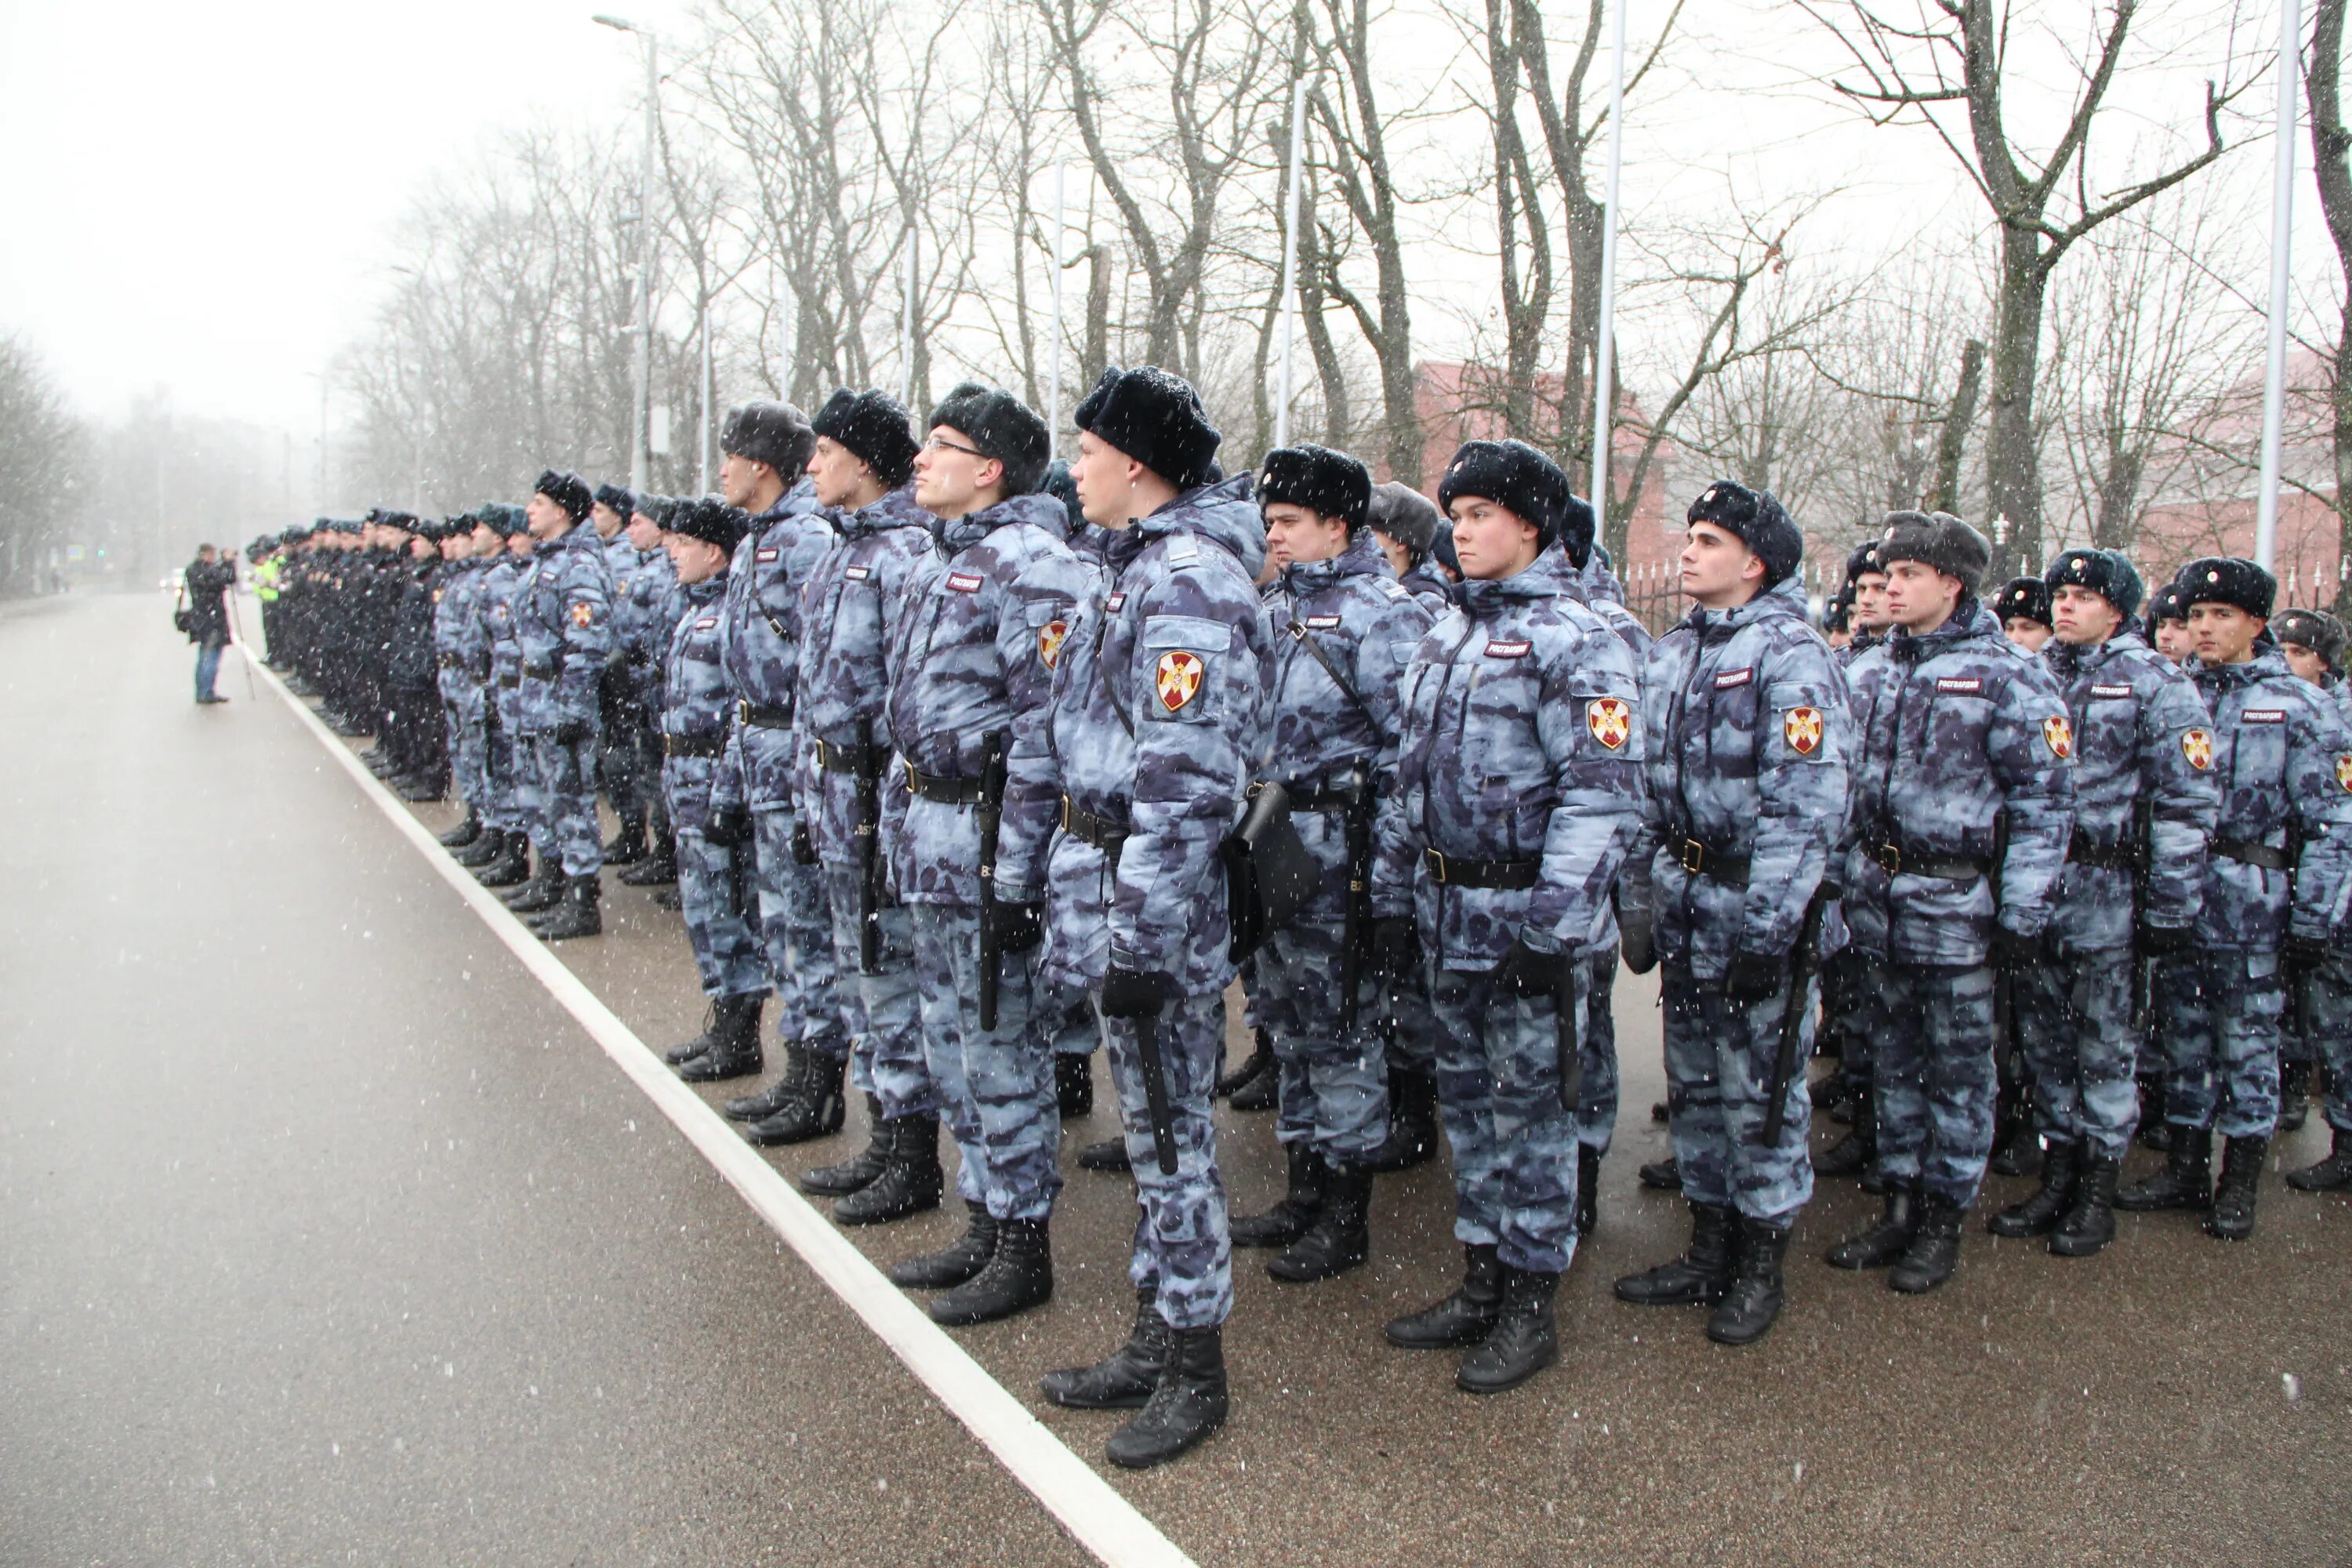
(1088, 1506)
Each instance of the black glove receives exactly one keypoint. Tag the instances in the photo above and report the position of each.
(1136, 993)
(1394, 945)
(2157, 941)
(572, 731)
(804, 852)
(728, 826)
(1640, 950)
(2012, 952)
(2304, 953)
(1753, 977)
(1016, 928)
(1524, 972)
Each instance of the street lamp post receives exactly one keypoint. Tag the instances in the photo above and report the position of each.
(640, 463)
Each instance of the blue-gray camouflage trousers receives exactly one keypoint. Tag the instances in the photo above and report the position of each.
(995, 1087)
(1720, 1057)
(2221, 1041)
(1596, 1096)
(2328, 1008)
(1183, 1247)
(887, 1060)
(714, 893)
(2073, 1017)
(461, 714)
(1849, 1009)
(1935, 1077)
(506, 758)
(567, 803)
(796, 926)
(1514, 1140)
(1332, 1088)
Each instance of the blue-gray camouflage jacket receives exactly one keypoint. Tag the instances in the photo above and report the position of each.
(697, 702)
(1959, 727)
(461, 643)
(984, 626)
(1351, 609)
(495, 608)
(563, 619)
(1522, 739)
(1156, 715)
(2141, 735)
(642, 581)
(760, 645)
(852, 607)
(1749, 745)
(2284, 764)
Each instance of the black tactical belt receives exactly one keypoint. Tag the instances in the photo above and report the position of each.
(765, 717)
(1897, 861)
(694, 745)
(849, 759)
(1701, 861)
(539, 672)
(2252, 852)
(1448, 872)
(1321, 797)
(945, 788)
(1103, 833)
(509, 680)
(2083, 851)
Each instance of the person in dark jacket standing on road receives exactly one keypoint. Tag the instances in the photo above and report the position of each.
(205, 619)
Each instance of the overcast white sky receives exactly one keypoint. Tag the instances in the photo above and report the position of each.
(193, 194)
(190, 191)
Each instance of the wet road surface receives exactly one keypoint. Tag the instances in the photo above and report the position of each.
(326, 1235)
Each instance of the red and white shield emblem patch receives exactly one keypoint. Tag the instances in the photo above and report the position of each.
(2197, 745)
(1177, 679)
(583, 615)
(2060, 736)
(1049, 641)
(1611, 719)
(2343, 773)
(1801, 728)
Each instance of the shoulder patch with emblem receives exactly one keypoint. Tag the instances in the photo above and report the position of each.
(2060, 735)
(963, 583)
(2111, 691)
(1803, 729)
(2343, 771)
(2197, 745)
(1611, 719)
(1964, 684)
(1726, 680)
(1049, 641)
(584, 613)
(1515, 648)
(2263, 716)
(1177, 679)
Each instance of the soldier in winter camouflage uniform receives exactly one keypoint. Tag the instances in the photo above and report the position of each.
(1157, 714)
(1747, 748)
(852, 794)
(514, 786)
(2280, 755)
(2135, 878)
(1344, 627)
(1520, 796)
(1965, 748)
(976, 651)
(714, 830)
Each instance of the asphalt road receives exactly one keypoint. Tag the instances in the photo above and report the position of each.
(326, 1235)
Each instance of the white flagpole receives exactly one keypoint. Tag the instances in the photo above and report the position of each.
(2290, 61)
(1604, 350)
(1290, 262)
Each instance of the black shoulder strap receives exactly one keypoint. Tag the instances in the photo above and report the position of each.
(1307, 640)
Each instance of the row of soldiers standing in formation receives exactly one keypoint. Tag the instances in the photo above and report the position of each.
(971, 762)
